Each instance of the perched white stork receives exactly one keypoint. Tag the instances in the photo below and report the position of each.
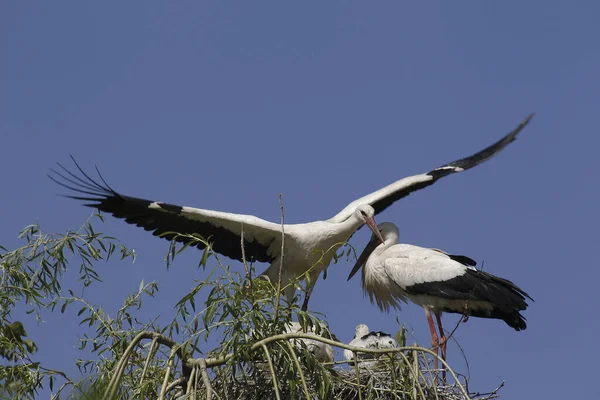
(367, 339)
(262, 239)
(437, 281)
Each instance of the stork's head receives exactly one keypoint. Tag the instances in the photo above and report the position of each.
(361, 330)
(366, 214)
(388, 230)
(376, 239)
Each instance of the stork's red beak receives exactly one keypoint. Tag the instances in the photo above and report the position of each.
(373, 226)
(376, 240)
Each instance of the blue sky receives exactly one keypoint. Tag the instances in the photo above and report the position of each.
(223, 106)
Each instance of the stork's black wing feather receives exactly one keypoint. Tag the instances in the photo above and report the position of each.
(506, 298)
(453, 167)
(464, 260)
(163, 219)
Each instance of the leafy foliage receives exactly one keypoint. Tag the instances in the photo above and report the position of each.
(31, 277)
(256, 355)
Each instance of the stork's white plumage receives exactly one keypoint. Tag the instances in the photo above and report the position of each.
(437, 281)
(262, 239)
(366, 339)
(323, 352)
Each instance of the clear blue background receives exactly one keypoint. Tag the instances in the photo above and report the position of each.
(223, 106)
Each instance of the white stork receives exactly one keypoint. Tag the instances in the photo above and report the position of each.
(262, 239)
(437, 281)
(367, 339)
(323, 352)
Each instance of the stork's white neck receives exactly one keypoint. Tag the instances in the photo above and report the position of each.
(350, 225)
(390, 234)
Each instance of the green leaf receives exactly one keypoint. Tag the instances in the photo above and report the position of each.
(210, 312)
(205, 255)
(31, 346)
(193, 303)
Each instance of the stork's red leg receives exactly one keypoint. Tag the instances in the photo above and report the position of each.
(434, 337)
(438, 316)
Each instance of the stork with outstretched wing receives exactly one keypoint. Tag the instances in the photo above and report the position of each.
(262, 239)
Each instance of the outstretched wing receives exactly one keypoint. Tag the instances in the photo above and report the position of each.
(222, 229)
(386, 196)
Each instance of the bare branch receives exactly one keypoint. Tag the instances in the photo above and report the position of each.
(248, 276)
(281, 258)
(205, 378)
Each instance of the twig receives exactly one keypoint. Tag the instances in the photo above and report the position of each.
(293, 353)
(205, 378)
(462, 351)
(150, 351)
(177, 382)
(414, 369)
(53, 372)
(273, 376)
(160, 339)
(190, 389)
(393, 369)
(244, 258)
(163, 390)
(416, 375)
(57, 394)
(450, 336)
(460, 321)
(111, 389)
(491, 394)
(355, 356)
(280, 258)
(378, 389)
(194, 395)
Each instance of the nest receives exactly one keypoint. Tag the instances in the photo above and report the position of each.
(392, 377)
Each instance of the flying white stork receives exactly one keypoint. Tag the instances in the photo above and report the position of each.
(367, 339)
(437, 281)
(262, 239)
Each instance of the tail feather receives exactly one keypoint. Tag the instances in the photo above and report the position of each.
(491, 296)
(513, 319)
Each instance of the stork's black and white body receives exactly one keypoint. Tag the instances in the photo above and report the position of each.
(309, 247)
(367, 339)
(437, 281)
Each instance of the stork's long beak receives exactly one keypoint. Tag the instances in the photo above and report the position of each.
(362, 259)
(376, 240)
(373, 227)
